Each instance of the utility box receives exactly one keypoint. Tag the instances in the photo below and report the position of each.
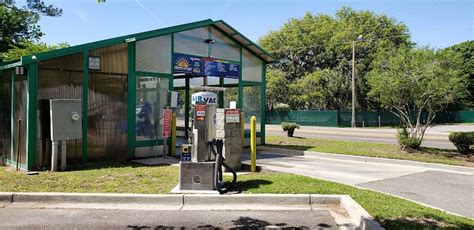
(197, 176)
(66, 119)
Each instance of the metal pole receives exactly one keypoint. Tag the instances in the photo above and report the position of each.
(253, 144)
(54, 156)
(353, 85)
(18, 145)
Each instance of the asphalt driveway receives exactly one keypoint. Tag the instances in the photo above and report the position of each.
(450, 188)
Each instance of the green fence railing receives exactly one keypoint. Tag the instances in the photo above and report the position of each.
(335, 118)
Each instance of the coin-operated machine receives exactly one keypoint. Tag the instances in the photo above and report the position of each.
(202, 160)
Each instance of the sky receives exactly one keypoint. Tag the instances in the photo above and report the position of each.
(434, 23)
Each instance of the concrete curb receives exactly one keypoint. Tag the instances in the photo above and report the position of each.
(365, 159)
(346, 212)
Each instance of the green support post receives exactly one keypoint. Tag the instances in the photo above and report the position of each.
(241, 89)
(186, 107)
(85, 102)
(12, 117)
(264, 104)
(31, 115)
(132, 84)
(220, 96)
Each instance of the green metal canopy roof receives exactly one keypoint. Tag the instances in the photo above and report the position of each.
(220, 24)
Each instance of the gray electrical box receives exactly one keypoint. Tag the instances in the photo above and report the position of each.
(66, 119)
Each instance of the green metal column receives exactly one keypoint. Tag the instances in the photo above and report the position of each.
(220, 96)
(264, 104)
(31, 115)
(132, 85)
(12, 118)
(85, 102)
(241, 89)
(186, 107)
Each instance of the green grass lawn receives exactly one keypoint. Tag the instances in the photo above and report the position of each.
(94, 178)
(431, 155)
(392, 212)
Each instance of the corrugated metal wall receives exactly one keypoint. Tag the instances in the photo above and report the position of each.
(19, 108)
(107, 108)
(5, 113)
(59, 78)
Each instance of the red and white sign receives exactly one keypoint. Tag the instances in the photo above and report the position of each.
(167, 122)
(232, 116)
(200, 112)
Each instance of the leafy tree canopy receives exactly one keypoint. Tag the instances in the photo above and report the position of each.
(28, 48)
(321, 41)
(20, 24)
(415, 84)
(466, 51)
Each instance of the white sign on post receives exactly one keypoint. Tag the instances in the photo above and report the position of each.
(232, 116)
(94, 63)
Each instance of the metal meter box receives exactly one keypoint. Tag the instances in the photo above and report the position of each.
(66, 119)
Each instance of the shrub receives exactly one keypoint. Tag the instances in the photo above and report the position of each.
(462, 140)
(406, 141)
(289, 127)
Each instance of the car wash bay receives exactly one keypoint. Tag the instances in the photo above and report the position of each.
(115, 79)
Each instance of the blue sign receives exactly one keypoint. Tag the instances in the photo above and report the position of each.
(185, 156)
(188, 64)
(183, 63)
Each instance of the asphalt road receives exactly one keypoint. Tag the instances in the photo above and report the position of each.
(446, 187)
(436, 136)
(140, 219)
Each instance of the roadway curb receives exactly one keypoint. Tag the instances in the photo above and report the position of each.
(353, 215)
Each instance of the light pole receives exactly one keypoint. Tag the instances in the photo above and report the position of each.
(353, 123)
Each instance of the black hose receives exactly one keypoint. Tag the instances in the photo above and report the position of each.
(219, 182)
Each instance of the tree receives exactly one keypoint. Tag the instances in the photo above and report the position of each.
(466, 51)
(314, 42)
(28, 48)
(415, 84)
(20, 24)
(277, 88)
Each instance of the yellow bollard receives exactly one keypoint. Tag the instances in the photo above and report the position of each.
(173, 135)
(253, 144)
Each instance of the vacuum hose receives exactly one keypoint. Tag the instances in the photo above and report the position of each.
(219, 182)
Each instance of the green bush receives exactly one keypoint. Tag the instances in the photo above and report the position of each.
(406, 141)
(462, 140)
(289, 127)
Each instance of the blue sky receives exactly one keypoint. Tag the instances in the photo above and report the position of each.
(431, 22)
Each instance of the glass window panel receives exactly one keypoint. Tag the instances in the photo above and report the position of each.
(230, 81)
(213, 81)
(154, 54)
(251, 67)
(252, 105)
(192, 42)
(230, 94)
(179, 83)
(224, 47)
(152, 95)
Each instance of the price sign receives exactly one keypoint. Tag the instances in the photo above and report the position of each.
(232, 116)
(166, 122)
(200, 112)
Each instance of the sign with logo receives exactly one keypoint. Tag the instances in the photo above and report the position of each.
(232, 116)
(200, 112)
(207, 97)
(185, 156)
(188, 64)
(167, 122)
